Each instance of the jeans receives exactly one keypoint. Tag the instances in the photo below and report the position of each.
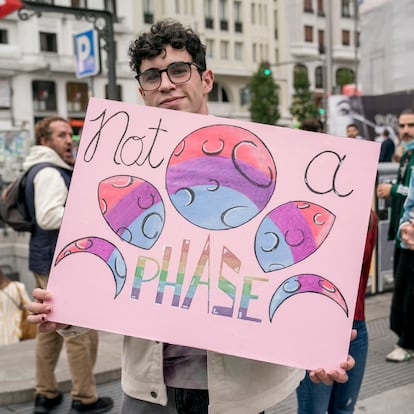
(336, 398)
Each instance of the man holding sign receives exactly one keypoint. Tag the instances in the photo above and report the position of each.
(164, 378)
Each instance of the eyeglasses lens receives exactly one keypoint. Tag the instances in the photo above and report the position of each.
(177, 72)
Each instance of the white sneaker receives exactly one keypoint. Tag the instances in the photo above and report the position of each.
(400, 355)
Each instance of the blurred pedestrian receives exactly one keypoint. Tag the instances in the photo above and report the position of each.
(387, 147)
(352, 131)
(311, 124)
(398, 193)
(50, 162)
(13, 296)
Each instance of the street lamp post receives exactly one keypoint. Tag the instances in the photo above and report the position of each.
(102, 20)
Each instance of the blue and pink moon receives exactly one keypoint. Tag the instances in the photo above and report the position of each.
(133, 209)
(105, 251)
(306, 283)
(220, 177)
(290, 233)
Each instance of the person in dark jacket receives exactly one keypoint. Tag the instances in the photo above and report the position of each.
(387, 147)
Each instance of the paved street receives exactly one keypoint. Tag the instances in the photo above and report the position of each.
(387, 387)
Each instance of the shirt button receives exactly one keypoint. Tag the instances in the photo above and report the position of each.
(153, 394)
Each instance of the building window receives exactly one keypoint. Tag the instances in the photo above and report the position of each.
(148, 13)
(4, 37)
(177, 6)
(5, 94)
(224, 49)
(77, 96)
(238, 51)
(346, 38)
(309, 34)
(218, 94)
(44, 96)
(321, 11)
(319, 77)
(321, 41)
(208, 11)
(300, 72)
(344, 76)
(254, 52)
(253, 13)
(210, 48)
(48, 42)
(276, 23)
(307, 6)
(80, 4)
(345, 8)
(238, 25)
(224, 24)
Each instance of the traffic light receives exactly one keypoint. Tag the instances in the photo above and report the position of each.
(266, 69)
(321, 111)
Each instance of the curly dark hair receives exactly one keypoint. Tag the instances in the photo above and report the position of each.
(162, 33)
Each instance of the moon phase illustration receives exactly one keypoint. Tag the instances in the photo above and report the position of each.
(220, 177)
(104, 250)
(290, 233)
(133, 209)
(304, 284)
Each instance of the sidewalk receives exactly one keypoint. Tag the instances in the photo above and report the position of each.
(387, 387)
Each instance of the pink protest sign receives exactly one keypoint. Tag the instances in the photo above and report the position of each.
(231, 236)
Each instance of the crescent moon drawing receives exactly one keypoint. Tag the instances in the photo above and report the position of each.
(212, 152)
(190, 193)
(103, 249)
(306, 283)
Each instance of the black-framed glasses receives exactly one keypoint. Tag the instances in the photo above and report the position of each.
(177, 72)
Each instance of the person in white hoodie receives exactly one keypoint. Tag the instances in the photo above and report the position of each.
(50, 163)
(169, 61)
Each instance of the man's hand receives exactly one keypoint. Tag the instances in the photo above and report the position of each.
(383, 190)
(40, 311)
(407, 234)
(328, 378)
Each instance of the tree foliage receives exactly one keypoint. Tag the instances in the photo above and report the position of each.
(303, 105)
(264, 103)
(344, 76)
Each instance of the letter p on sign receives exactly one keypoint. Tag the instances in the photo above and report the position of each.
(87, 53)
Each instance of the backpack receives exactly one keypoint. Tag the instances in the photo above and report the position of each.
(13, 209)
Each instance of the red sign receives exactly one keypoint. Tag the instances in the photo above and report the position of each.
(9, 6)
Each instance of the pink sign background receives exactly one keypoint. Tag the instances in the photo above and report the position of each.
(231, 236)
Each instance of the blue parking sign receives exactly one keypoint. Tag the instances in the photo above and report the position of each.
(87, 53)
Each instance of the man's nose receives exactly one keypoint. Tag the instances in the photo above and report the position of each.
(165, 82)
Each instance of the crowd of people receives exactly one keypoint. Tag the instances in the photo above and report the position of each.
(169, 62)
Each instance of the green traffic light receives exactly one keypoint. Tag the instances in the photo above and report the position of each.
(322, 111)
(267, 71)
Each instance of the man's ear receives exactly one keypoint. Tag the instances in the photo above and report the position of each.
(43, 140)
(208, 80)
